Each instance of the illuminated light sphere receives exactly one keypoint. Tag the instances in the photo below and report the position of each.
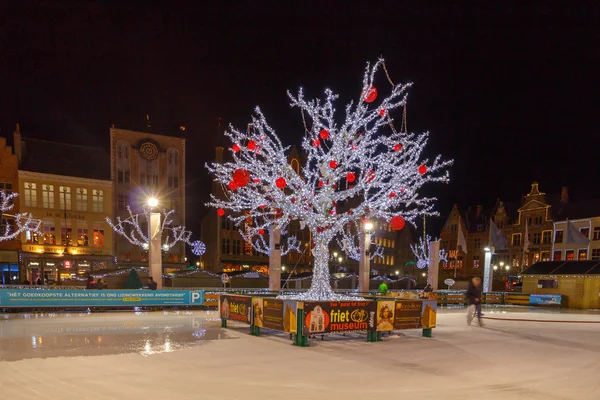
(235, 148)
(371, 95)
(350, 177)
(324, 134)
(280, 183)
(422, 170)
(251, 145)
(241, 177)
(152, 201)
(316, 142)
(382, 112)
(232, 185)
(220, 212)
(392, 194)
(368, 226)
(397, 223)
(333, 164)
(198, 248)
(261, 231)
(398, 147)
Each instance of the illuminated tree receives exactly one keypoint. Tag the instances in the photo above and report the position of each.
(353, 160)
(17, 223)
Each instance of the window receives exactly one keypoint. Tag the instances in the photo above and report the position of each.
(123, 163)
(536, 237)
(570, 255)
(81, 199)
(558, 236)
(97, 200)
(173, 168)
(545, 255)
(557, 255)
(475, 261)
(546, 237)
(539, 220)
(516, 239)
(122, 202)
(585, 232)
(65, 197)
(237, 246)
(31, 237)
(453, 228)
(49, 232)
(224, 224)
(98, 237)
(225, 246)
(30, 194)
(149, 172)
(582, 254)
(547, 284)
(500, 224)
(66, 235)
(48, 196)
(7, 187)
(477, 243)
(597, 233)
(82, 235)
(515, 261)
(459, 262)
(595, 254)
(479, 227)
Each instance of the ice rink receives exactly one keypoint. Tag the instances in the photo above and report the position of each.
(187, 355)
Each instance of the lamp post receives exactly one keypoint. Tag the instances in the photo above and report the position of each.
(364, 273)
(154, 247)
(487, 270)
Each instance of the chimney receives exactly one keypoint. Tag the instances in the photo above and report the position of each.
(479, 210)
(564, 194)
(219, 154)
(18, 144)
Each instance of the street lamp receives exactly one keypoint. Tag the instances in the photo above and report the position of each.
(364, 260)
(154, 248)
(495, 267)
(368, 226)
(397, 272)
(340, 259)
(197, 263)
(335, 254)
(508, 267)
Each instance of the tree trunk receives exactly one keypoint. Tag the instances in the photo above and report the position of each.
(320, 288)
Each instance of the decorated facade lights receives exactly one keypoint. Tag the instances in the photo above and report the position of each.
(350, 238)
(421, 252)
(352, 160)
(23, 222)
(133, 228)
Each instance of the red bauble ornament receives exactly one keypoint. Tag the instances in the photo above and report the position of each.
(393, 194)
(422, 170)
(316, 142)
(350, 177)
(251, 145)
(398, 147)
(261, 231)
(333, 164)
(320, 183)
(371, 94)
(280, 183)
(354, 147)
(241, 177)
(332, 212)
(257, 181)
(235, 148)
(220, 212)
(324, 134)
(397, 223)
(382, 112)
(262, 207)
(232, 185)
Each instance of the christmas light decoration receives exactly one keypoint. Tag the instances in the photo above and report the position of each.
(421, 252)
(349, 242)
(359, 143)
(18, 223)
(131, 228)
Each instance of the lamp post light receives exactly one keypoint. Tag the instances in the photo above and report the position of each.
(487, 269)
(365, 258)
(397, 272)
(154, 248)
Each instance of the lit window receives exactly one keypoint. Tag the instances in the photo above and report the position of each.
(545, 255)
(557, 255)
(30, 194)
(570, 255)
(82, 234)
(98, 237)
(81, 199)
(49, 232)
(475, 261)
(48, 196)
(97, 200)
(582, 254)
(66, 235)
(65, 197)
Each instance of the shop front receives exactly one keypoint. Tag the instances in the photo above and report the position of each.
(9, 267)
(55, 265)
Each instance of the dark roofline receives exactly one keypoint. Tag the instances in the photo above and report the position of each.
(27, 139)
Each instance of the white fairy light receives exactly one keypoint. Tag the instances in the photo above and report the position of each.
(350, 161)
(131, 228)
(17, 223)
(349, 242)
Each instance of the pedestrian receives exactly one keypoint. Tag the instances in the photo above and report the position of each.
(383, 289)
(100, 285)
(474, 300)
(428, 288)
(91, 283)
(39, 281)
(151, 284)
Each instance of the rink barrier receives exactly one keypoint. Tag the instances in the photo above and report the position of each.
(449, 298)
(306, 319)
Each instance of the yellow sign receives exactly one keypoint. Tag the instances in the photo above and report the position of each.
(54, 249)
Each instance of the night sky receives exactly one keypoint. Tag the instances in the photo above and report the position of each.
(510, 92)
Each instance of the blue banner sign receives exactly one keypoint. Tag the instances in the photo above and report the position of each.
(545, 299)
(99, 298)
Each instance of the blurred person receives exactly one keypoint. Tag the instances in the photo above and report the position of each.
(474, 300)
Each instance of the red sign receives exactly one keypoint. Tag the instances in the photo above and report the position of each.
(67, 264)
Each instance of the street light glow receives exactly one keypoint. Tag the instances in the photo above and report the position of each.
(495, 267)
(502, 263)
(152, 201)
(487, 249)
(197, 263)
(368, 226)
(340, 259)
(424, 274)
(507, 267)
(397, 272)
(335, 253)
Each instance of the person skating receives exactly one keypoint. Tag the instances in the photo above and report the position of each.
(474, 301)
(151, 284)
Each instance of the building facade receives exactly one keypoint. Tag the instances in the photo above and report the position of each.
(145, 165)
(9, 250)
